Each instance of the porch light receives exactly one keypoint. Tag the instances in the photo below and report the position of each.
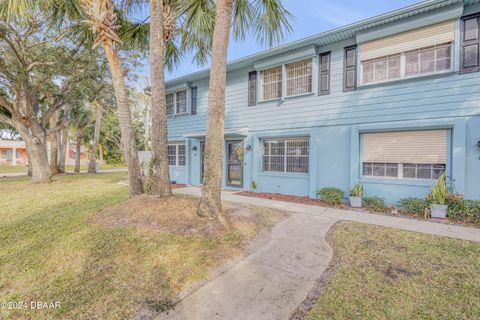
(194, 148)
(248, 147)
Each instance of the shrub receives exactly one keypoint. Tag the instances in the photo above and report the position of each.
(414, 206)
(375, 204)
(357, 190)
(465, 210)
(331, 195)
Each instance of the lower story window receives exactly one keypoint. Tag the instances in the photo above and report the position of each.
(176, 155)
(285, 155)
(405, 154)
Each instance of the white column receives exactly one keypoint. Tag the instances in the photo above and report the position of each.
(14, 157)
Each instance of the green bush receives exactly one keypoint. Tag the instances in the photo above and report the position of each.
(375, 204)
(465, 210)
(331, 195)
(414, 206)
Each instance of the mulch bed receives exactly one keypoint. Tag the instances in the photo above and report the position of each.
(317, 202)
(289, 198)
(178, 185)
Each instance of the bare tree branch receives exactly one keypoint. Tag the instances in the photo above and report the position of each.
(5, 119)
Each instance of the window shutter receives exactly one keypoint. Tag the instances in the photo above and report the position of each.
(428, 146)
(193, 105)
(419, 38)
(252, 88)
(350, 69)
(470, 50)
(324, 73)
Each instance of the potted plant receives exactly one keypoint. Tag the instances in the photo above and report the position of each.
(356, 194)
(438, 198)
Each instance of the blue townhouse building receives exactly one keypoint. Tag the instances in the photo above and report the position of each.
(391, 102)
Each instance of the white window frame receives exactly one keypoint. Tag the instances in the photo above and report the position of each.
(403, 64)
(285, 141)
(177, 155)
(284, 80)
(399, 172)
(188, 97)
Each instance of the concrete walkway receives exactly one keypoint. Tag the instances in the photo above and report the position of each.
(272, 282)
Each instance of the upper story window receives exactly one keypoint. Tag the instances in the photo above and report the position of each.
(470, 42)
(272, 83)
(428, 60)
(298, 80)
(299, 77)
(417, 52)
(381, 69)
(324, 74)
(181, 102)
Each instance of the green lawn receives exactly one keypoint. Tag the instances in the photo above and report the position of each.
(69, 168)
(384, 273)
(52, 251)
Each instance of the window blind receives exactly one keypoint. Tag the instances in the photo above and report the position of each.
(419, 38)
(428, 146)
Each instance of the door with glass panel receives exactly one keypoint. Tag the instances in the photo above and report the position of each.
(235, 163)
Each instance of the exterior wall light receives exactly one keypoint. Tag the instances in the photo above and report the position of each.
(194, 148)
(248, 147)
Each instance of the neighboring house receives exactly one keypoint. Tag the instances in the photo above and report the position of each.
(13, 153)
(391, 102)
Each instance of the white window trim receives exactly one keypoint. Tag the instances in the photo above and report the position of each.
(403, 65)
(284, 80)
(285, 140)
(399, 177)
(177, 155)
(188, 97)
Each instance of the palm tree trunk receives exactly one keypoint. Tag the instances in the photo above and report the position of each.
(78, 149)
(210, 204)
(161, 175)
(96, 138)
(63, 141)
(53, 146)
(125, 119)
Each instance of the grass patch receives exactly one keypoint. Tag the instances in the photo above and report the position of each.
(59, 244)
(384, 273)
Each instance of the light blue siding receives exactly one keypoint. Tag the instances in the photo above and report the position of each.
(334, 122)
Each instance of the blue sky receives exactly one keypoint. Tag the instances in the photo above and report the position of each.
(311, 17)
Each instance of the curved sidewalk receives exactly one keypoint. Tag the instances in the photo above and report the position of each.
(272, 282)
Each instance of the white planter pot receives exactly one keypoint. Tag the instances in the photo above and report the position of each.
(438, 210)
(355, 202)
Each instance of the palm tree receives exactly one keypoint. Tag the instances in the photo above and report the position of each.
(92, 165)
(83, 118)
(269, 21)
(158, 34)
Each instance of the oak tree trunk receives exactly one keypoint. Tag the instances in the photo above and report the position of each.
(78, 149)
(53, 146)
(124, 117)
(161, 176)
(96, 138)
(210, 204)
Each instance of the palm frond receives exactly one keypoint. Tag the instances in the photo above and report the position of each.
(272, 21)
